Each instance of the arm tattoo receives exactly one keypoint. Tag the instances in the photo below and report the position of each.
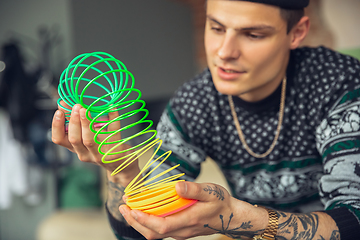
(116, 192)
(298, 226)
(237, 232)
(215, 191)
(295, 226)
(335, 235)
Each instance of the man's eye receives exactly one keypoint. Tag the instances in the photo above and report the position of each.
(216, 29)
(255, 36)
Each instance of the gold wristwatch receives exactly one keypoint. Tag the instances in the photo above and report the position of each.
(271, 229)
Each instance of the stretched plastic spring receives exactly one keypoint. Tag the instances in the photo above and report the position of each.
(102, 84)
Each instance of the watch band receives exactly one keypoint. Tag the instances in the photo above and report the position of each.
(272, 227)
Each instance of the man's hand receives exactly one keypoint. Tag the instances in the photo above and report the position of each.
(80, 139)
(215, 212)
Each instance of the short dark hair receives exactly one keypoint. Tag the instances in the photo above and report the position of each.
(291, 17)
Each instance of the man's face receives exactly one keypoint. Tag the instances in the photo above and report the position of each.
(247, 48)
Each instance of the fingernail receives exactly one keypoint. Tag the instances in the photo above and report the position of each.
(76, 109)
(122, 211)
(58, 115)
(134, 215)
(82, 115)
(182, 187)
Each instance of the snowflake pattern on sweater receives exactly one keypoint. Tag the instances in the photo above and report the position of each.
(317, 156)
(320, 129)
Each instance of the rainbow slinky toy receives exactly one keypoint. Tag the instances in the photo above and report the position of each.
(108, 77)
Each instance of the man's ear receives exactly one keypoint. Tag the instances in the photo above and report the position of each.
(299, 32)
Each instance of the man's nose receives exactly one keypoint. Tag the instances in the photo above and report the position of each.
(229, 48)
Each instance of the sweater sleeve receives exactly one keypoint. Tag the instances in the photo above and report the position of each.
(175, 139)
(338, 141)
(347, 220)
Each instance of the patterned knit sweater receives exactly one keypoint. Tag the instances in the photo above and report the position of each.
(317, 156)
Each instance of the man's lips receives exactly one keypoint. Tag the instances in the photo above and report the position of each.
(229, 70)
(228, 73)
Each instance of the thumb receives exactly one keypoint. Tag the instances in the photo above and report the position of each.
(205, 192)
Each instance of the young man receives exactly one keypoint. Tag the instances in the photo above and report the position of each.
(282, 124)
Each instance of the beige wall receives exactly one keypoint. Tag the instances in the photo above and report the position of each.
(343, 18)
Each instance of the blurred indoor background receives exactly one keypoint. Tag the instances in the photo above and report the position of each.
(45, 192)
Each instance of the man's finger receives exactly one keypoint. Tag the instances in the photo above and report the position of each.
(88, 135)
(58, 131)
(114, 126)
(64, 105)
(75, 134)
(204, 192)
(132, 220)
(164, 226)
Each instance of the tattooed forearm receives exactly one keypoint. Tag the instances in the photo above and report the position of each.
(242, 231)
(291, 227)
(299, 226)
(116, 192)
(215, 190)
(335, 235)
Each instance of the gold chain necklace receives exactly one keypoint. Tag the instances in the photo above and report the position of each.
(241, 134)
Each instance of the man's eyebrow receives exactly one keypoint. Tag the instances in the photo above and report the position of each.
(214, 20)
(252, 28)
(258, 27)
